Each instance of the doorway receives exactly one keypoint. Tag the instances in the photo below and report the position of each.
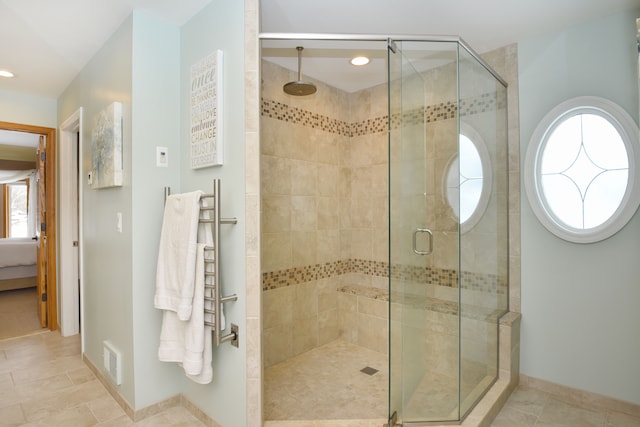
(47, 260)
(70, 225)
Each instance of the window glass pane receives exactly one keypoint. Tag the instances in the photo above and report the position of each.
(465, 180)
(17, 210)
(603, 143)
(563, 198)
(470, 192)
(470, 163)
(604, 196)
(582, 172)
(562, 147)
(578, 164)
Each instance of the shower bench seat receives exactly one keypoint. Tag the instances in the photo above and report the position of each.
(428, 303)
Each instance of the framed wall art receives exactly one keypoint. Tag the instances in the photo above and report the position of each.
(206, 147)
(106, 148)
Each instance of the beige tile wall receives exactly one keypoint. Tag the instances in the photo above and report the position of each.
(254, 396)
(364, 321)
(324, 200)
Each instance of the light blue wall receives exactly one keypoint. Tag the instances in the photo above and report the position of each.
(27, 109)
(580, 312)
(145, 65)
(107, 254)
(156, 123)
(221, 26)
(140, 67)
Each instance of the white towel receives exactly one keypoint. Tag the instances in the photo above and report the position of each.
(206, 375)
(190, 342)
(175, 273)
(194, 335)
(171, 347)
(184, 341)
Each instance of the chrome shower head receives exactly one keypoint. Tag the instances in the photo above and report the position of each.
(299, 88)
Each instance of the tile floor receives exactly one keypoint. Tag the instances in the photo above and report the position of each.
(528, 407)
(297, 390)
(44, 382)
(322, 384)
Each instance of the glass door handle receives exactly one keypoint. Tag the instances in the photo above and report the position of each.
(415, 239)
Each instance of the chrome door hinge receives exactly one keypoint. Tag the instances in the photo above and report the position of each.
(391, 44)
(393, 420)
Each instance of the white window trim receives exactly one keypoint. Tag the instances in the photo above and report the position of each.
(630, 135)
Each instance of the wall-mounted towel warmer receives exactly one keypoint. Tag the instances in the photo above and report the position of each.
(212, 257)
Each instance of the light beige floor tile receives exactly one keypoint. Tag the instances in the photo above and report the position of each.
(173, 417)
(37, 389)
(37, 409)
(9, 396)
(81, 375)
(78, 416)
(510, 417)
(105, 409)
(40, 371)
(5, 379)
(528, 400)
(616, 419)
(123, 421)
(11, 415)
(557, 413)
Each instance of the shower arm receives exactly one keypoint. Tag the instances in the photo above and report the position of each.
(299, 63)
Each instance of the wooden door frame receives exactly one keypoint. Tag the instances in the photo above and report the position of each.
(50, 179)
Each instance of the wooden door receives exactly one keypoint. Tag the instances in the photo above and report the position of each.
(42, 242)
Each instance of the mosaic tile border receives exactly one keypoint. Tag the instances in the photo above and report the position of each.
(432, 113)
(438, 276)
(287, 113)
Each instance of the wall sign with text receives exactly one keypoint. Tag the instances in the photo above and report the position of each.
(206, 146)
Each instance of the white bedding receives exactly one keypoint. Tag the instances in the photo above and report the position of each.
(17, 251)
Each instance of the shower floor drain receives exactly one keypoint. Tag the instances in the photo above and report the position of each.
(368, 370)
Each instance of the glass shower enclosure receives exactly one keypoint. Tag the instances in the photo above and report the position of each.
(445, 262)
(448, 228)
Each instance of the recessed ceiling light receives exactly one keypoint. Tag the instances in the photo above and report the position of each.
(359, 60)
(5, 73)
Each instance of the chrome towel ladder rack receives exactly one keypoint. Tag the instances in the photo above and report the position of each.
(212, 257)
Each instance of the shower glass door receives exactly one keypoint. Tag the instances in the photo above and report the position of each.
(424, 333)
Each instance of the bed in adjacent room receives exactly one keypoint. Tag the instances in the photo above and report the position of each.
(17, 263)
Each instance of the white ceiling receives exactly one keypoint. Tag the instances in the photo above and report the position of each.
(483, 25)
(47, 42)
